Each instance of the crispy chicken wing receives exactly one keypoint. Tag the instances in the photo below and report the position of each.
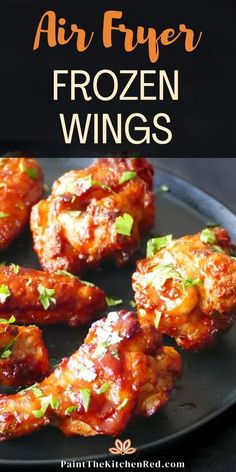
(23, 355)
(33, 296)
(21, 186)
(94, 215)
(188, 289)
(118, 372)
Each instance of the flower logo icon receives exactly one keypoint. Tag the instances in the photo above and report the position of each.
(122, 448)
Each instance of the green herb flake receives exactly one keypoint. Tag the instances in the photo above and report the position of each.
(104, 388)
(89, 284)
(163, 188)
(207, 236)
(192, 282)
(46, 296)
(3, 214)
(3, 263)
(217, 249)
(157, 319)
(11, 320)
(74, 213)
(46, 188)
(66, 274)
(70, 410)
(29, 281)
(85, 394)
(123, 404)
(233, 257)
(45, 403)
(7, 350)
(124, 224)
(4, 293)
(132, 303)
(115, 354)
(15, 268)
(126, 176)
(113, 302)
(36, 391)
(155, 244)
(212, 225)
(31, 172)
(162, 273)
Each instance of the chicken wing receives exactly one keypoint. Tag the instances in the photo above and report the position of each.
(37, 297)
(23, 355)
(21, 186)
(117, 373)
(94, 215)
(188, 288)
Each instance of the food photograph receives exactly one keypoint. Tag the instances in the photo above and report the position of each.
(117, 309)
(117, 235)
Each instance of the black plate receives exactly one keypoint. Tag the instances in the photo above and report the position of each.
(208, 385)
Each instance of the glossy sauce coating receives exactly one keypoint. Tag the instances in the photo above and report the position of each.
(21, 186)
(75, 228)
(72, 302)
(193, 315)
(27, 359)
(117, 373)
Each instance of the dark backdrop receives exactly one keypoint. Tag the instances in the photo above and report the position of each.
(203, 121)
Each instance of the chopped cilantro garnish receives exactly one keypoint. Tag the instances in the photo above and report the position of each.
(4, 293)
(70, 410)
(46, 297)
(85, 394)
(124, 224)
(132, 303)
(192, 282)
(157, 319)
(162, 273)
(74, 213)
(66, 274)
(123, 404)
(113, 302)
(163, 188)
(11, 320)
(37, 392)
(7, 350)
(155, 244)
(30, 171)
(126, 176)
(15, 268)
(217, 249)
(3, 214)
(46, 188)
(45, 403)
(85, 282)
(207, 236)
(115, 354)
(212, 225)
(104, 388)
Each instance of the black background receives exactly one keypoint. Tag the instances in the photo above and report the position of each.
(202, 121)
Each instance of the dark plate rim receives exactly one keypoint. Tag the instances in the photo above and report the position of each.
(195, 197)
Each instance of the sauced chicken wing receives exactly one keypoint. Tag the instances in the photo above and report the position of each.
(94, 215)
(37, 297)
(118, 372)
(23, 355)
(188, 289)
(21, 186)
